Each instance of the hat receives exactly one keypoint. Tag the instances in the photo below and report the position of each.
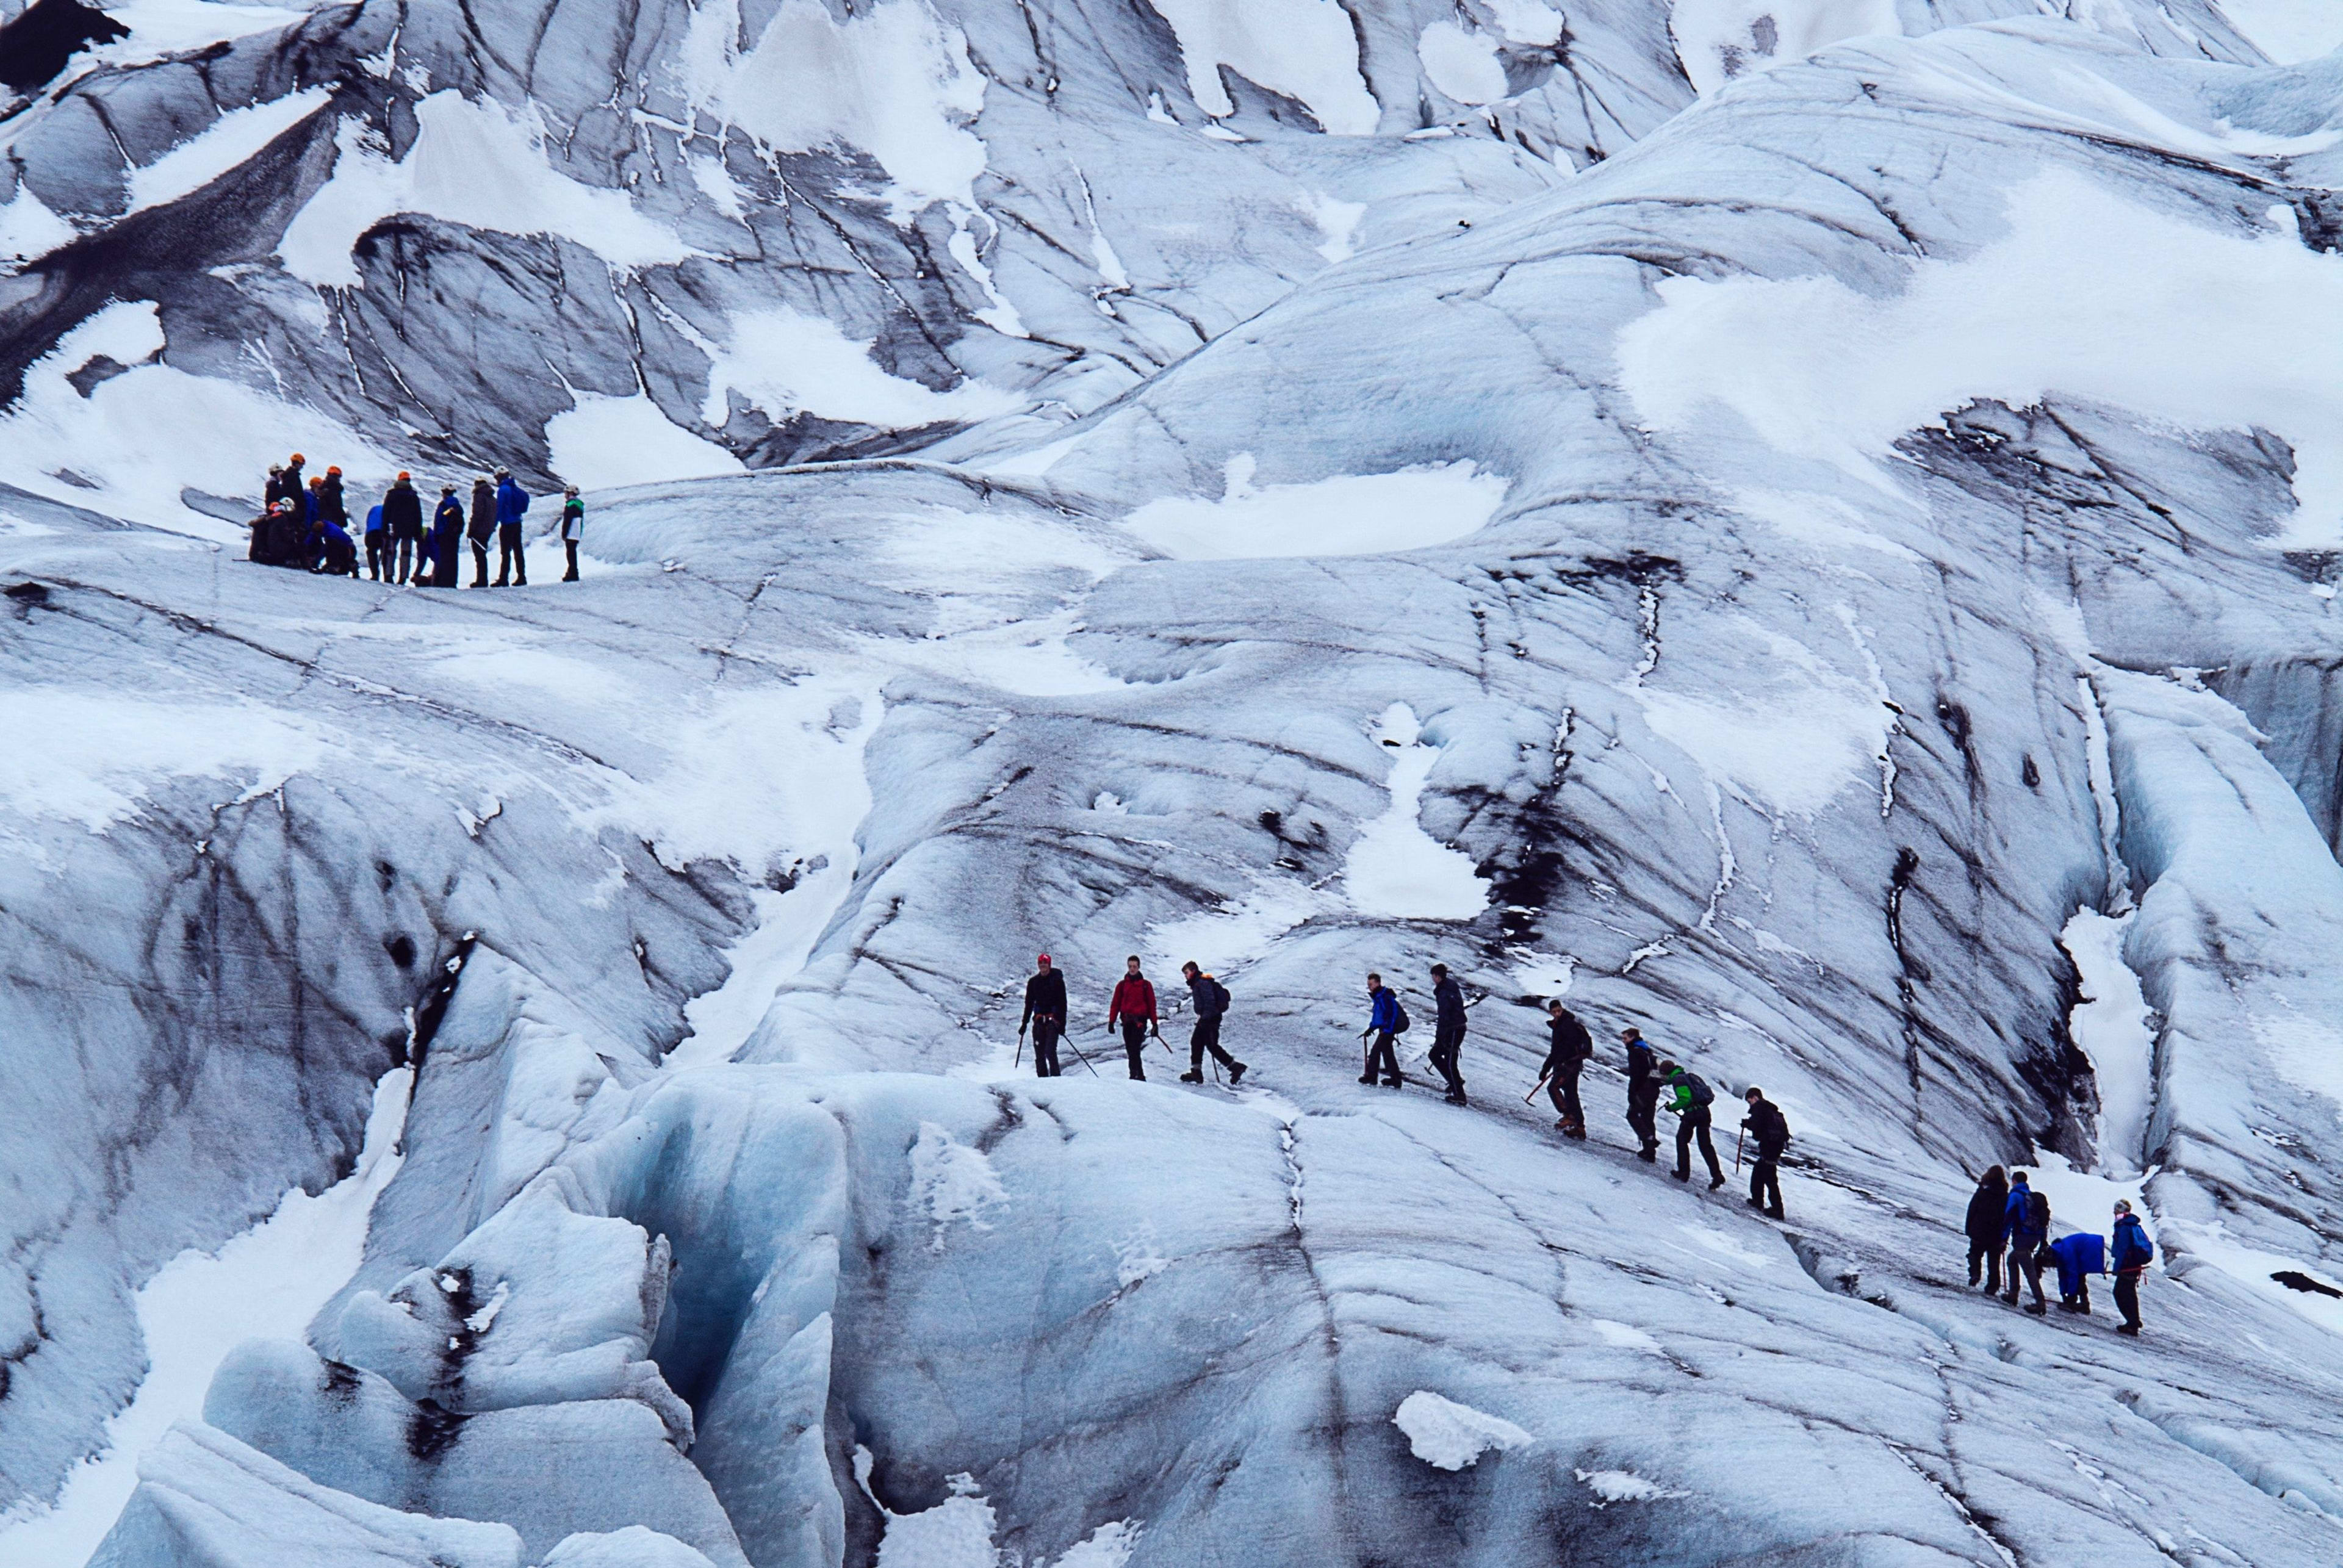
(449, 488)
(504, 473)
(569, 489)
(1043, 960)
(316, 482)
(298, 458)
(333, 468)
(404, 475)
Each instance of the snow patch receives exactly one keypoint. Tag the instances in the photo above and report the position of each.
(29, 230)
(480, 165)
(236, 136)
(2113, 1026)
(1450, 1436)
(1624, 1336)
(953, 1181)
(609, 443)
(100, 755)
(894, 82)
(2306, 1051)
(1461, 63)
(1718, 40)
(1304, 50)
(1240, 928)
(1348, 515)
(786, 364)
(1527, 22)
(1337, 221)
(266, 1283)
(2288, 31)
(2088, 295)
(1394, 868)
(1610, 1486)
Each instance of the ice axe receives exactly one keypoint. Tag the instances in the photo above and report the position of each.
(1535, 1087)
(1738, 1142)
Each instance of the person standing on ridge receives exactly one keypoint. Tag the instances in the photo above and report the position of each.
(294, 490)
(1988, 1228)
(1772, 1132)
(1387, 1020)
(337, 506)
(483, 527)
(274, 491)
(1448, 1032)
(440, 570)
(2029, 1228)
(402, 515)
(1045, 1010)
(1566, 1057)
(1210, 1000)
(2132, 1253)
(1642, 1094)
(512, 555)
(1133, 1008)
(1692, 1099)
(573, 530)
(377, 544)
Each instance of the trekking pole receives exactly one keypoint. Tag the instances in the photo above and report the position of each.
(1069, 1042)
(1021, 1049)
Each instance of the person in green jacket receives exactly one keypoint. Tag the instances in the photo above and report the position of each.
(1693, 1097)
(573, 530)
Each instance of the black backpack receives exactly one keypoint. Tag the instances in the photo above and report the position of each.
(2037, 1212)
(1400, 1009)
(1701, 1094)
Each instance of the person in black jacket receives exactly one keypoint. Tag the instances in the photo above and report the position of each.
(1448, 1032)
(484, 528)
(1988, 1228)
(438, 568)
(334, 507)
(402, 519)
(1642, 1094)
(1772, 1131)
(1210, 999)
(1045, 1010)
(1563, 1059)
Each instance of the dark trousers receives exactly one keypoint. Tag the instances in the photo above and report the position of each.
(1766, 1182)
(1693, 1122)
(1134, 1046)
(1985, 1256)
(2025, 1266)
(1045, 1047)
(512, 559)
(1445, 1044)
(479, 563)
(1561, 1087)
(1381, 1056)
(1207, 1037)
(2128, 1297)
(571, 547)
(1644, 1113)
(379, 556)
(407, 558)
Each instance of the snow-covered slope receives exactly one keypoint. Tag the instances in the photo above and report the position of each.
(1761, 583)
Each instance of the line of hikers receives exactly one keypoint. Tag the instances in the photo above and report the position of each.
(2006, 1214)
(1132, 1009)
(307, 525)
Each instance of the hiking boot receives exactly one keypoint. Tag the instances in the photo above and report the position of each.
(1681, 1175)
(1715, 1183)
(1775, 1214)
(1753, 1203)
(1649, 1154)
(1367, 1077)
(1394, 1083)
(2037, 1309)
(1236, 1073)
(1191, 1078)
(2131, 1328)
(1456, 1097)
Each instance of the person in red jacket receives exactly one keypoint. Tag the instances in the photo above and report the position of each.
(1134, 1009)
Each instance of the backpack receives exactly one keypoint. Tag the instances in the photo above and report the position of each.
(1701, 1094)
(1220, 994)
(1399, 1008)
(2037, 1214)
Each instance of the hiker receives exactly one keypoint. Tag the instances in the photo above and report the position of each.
(1988, 1228)
(1448, 1032)
(336, 554)
(1134, 1007)
(2079, 1255)
(294, 490)
(1210, 998)
(1771, 1130)
(1045, 1009)
(1642, 1094)
(1387, 1020)
(440, 570)
(483, 527)
(332, 507)
(573, 530)
(313, 502)
(2028, 1212)
(2133, 1253)
(274, 491)
(377, 544)
(402, 511)
(1566, 1057)
(512, 557)
(1692, 1099)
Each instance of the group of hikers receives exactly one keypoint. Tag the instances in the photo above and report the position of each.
(2007, 1215)
(305, 525)
(1132, 1009)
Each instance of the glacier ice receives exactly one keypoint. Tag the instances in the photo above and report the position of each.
(1830, 568)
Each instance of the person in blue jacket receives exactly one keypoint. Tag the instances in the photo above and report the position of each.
(2029, 1228)
(2080, 1255)
(337, 555)
(2133, 1253)
(512, 505)
(1382, 1030)
(378, 545)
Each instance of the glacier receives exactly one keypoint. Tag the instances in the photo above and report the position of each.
(1810, 530)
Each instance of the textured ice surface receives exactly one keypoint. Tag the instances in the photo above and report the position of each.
(1843, 535)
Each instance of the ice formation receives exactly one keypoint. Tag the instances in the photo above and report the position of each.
(1807, 528)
